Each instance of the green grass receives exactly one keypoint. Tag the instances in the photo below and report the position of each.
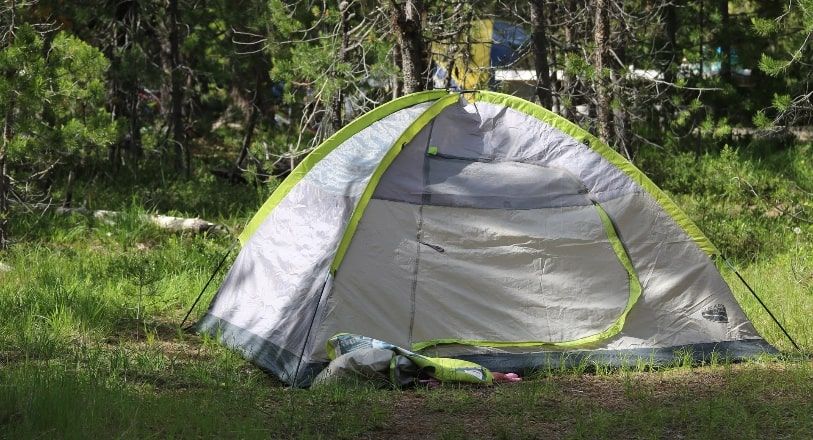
(785, 285)
(90, 345)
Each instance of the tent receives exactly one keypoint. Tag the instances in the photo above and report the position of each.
(490, 230)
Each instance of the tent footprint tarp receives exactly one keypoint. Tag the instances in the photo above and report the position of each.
(491, 230)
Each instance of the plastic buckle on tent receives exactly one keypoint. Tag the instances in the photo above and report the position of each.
(432, 151)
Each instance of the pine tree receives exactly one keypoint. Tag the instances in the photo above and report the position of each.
(52, 105)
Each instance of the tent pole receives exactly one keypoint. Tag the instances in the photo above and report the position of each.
(762, 304)
(308, 334)
(217, 269)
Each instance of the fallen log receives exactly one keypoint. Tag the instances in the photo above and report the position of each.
(170, 223)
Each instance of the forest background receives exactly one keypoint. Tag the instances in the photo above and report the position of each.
(198, 108)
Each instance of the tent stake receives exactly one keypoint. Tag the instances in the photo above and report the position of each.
(762, 304)
(217, 269)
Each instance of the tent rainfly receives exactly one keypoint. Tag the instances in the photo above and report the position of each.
(490, 230)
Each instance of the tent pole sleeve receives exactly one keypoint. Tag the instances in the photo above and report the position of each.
(389, 157)
(776, 321)
(217, 269)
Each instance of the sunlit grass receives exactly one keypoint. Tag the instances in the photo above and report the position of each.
(785, 285)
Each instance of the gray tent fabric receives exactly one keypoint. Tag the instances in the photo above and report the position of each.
(367, 364)
(517, 282)
(484, 233)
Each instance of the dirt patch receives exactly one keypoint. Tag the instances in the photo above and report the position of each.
(410, 418)
(562, 400)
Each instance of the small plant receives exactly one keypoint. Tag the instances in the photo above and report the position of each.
(143, 270)
(714, 359)
(684, 358)
(801, 264)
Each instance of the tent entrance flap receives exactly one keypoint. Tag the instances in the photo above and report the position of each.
(522, 275)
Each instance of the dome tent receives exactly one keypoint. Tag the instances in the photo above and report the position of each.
(493, 231)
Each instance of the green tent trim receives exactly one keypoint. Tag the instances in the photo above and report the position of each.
(513, 102)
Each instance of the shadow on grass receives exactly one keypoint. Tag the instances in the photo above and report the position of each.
(39, 402)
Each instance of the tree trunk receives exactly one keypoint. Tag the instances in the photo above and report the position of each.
(134, 149)
(176, 92)
(5, 184)
(251, 123)
(8, 121)
(406, 19)
(700, 30)
(623, 121)
(569, 83)
(698, 117)
(4, 192)
(344, 34)
(540, 45)
(69, 189)
(671, 26)
(601, 62)
(395, 82)
(725, 42)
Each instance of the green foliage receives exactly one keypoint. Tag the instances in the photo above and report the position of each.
(764, 27)
(782, 102)
(787, 59)
(78, 96)
(56, 102)
(761, 120)
(742, 198)
(306, 55)
(23, 85)
(772, 66)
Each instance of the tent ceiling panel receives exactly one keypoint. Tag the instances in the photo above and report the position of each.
(488, 133)
(500, 185)
(493, 185)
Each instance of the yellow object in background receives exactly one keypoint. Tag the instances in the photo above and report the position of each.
(470, 65)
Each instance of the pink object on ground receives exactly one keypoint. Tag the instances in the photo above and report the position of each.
(505, 377)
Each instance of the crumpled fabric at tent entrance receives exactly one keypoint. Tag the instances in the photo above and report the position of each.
(362, 357)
